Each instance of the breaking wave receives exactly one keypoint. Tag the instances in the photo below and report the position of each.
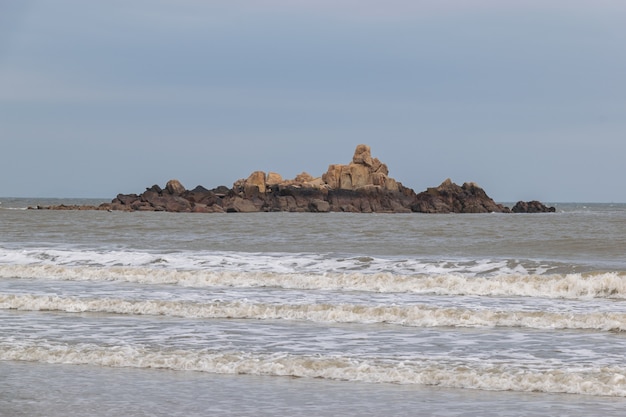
(597, 381)
(413, 315)
(570, 286)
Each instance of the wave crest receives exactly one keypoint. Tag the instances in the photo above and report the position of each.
(414, 315)
(570, 286)
(499, 377)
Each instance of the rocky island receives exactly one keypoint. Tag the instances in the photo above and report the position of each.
(362, 186)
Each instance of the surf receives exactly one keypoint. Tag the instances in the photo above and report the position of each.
(610, 285)
(411, 315)
(493, 376)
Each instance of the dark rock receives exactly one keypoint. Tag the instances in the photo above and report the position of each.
(452, 198)
(241, 205)
(178, 204)
(221, 190)
(155, 188)
(533, 206)
(126, 199)
(319, 206)
(200, 189)
(362, 186)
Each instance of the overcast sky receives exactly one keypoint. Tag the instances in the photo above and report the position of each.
(525, 98)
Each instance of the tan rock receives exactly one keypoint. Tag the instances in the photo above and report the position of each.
(379, 179)
(273, 178)
(315, 183)
(174, 187)
(362, 171)
(303, 177)
(345, 178)
(359, 175)
(363, 155)
(239, 184)
(380, 167)
(255, 180)
(331, 177)
(391, 184)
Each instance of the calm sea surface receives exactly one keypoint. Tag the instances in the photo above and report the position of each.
(167, 314)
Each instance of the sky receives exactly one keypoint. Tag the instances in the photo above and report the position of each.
(525, 98)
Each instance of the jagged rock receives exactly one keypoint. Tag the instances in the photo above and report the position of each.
(298, 198)
(222, 190)
(362, 186)
(332, 176)
(254, 184)
(303, 178)
(201, 195)
(363, 156)
(363, 171)
(533, 206)
(370, 199)
(127, 199)
(200, 189)
(155, 188)
(451, 198)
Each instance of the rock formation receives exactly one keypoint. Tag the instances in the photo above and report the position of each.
(362, 172)
(362, 186)
(451, 198)
(532, 207)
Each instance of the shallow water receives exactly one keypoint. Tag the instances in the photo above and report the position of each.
(312, 314)
(87, 390)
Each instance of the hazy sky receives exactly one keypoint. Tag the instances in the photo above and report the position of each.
(525, 98)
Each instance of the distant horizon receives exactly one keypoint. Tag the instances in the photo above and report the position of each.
(108, 199)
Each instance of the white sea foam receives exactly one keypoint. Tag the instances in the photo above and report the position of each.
(414, 315)
(571, 286)
(266, 262)
(607, 381)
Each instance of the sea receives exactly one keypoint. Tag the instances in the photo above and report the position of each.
(312, 314)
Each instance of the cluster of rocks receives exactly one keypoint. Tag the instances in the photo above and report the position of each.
(532, 207)
(452, 198)
(362, 186)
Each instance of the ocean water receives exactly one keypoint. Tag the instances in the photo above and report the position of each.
(163, 314)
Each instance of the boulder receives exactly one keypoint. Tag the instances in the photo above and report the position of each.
(303, 177)
(273, 179)
(241, 205)
(360, 176)
(254, 184)
(363, 156)
(319, 206)
(200, 189)
(332, 176)
(155, 188)
(126, 199)
(174, 187)
(315, 183)
(533, 206)
(221, 191)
